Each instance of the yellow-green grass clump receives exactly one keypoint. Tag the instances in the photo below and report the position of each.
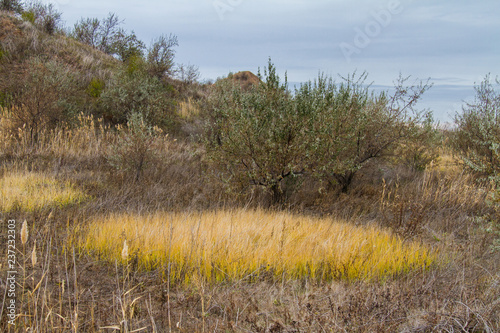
(248, 244)
(30, 191)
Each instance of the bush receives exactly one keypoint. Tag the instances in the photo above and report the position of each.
(265, 135)
(134, 90)
(477, 137)
(43, 15)
(351, 126)
(41, 98)
(11, 6)
(134, 149)
(161, 56)
(257, 135)
(107, 36)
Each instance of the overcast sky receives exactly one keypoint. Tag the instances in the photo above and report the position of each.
(453, 42)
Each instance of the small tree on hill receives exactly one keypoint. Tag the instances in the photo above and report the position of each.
(161, 56)
(11, 6)
(107, 36)
(44, 15)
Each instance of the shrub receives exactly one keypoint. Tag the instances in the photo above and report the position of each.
(134, 90)
(257, 135)
(41, 98)
(351, 126)
(29, 16)
(11, 6)
(161, 56)
(477, 137)
(43, 15)
(265, 135)
(107, 36)
(96, 87)
(134, 149)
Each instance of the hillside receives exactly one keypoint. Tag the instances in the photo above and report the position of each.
(244, 79)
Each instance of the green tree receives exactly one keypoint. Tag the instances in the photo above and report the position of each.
(477, 136)
(257, 135)
(352, 126)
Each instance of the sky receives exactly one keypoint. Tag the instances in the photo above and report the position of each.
(454, 43)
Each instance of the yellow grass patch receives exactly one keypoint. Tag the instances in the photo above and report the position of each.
(232, 245)
(31, 191)
(188, 109)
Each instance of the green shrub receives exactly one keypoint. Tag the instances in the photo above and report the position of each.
(96, 87)
(29, 16)
(257, 135)
(351, 126)
(266, 134)
(477, 136)
(134, 90)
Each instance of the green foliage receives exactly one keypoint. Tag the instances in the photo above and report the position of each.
(257, 135)
(29, 16)
(351, 126)
(266, 134)
(134, 149)
(96, 87)
(134, 90)
(477, 138)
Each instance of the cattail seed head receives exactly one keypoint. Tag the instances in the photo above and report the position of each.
(125, 250)
(24, 233)
(34, 259)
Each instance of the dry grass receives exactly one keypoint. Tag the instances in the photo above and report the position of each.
(188, 109)
(277, 271)
(32, 191)
(234, 245)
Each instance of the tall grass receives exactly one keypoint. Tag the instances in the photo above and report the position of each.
(30, 191)
(233, 245)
